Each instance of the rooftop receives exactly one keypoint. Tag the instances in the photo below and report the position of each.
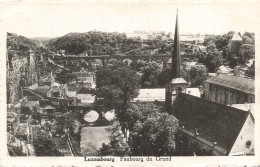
(234, 82)
(214, 122)
(151, 95)
(178, 80)
(236, 37)
(42, 90)
(245, 107)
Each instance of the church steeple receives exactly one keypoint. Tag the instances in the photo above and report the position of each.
(176, 59)
(177, 83)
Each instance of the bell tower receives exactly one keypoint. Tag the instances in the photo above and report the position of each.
(177, 84)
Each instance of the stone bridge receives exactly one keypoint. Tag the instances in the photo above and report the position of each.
(105, 58)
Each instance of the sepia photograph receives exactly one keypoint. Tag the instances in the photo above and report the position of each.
(113, 79)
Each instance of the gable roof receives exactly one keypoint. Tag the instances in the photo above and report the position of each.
(42, 90)
(214, 122)
(234, 82)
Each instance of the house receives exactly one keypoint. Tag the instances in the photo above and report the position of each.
(83, 77)
(228, 89)
(224, 70)
(150, 95)
(86, 98)
(209, 128)
(43, 91)
(158, 94)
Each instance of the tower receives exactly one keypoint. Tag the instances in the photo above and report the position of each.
(234, 44)
(177, 84)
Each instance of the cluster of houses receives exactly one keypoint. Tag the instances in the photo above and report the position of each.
(221, 122)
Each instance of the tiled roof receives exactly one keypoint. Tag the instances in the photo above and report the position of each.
(234, 82)
(214, 122)
(42, 90)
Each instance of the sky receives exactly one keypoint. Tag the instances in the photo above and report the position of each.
(57, 19)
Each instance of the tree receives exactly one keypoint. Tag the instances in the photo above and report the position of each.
(197, 75)
(234, 61)
(63, 77)
(151, 72)
(118, 145)
(115, 89)
(211, 47)
(212, 60)
(248, 38)
(153, 132)
(251, 71)
(45, 146)
(164, 77)
(246, 51)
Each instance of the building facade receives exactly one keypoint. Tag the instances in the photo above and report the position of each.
(209, 129)
(227, 89)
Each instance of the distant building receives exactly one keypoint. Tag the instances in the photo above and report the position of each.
(209, 128)
(228, 89)
(85, 78)
(234, 44)
(198, 48)
(158, 94)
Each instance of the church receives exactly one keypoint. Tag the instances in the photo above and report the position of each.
(208, 126)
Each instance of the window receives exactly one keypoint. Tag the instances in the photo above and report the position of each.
(248, 144)
(179, 90)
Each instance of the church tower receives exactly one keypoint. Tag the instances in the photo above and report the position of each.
(177, 84)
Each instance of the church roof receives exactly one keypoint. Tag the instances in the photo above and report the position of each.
(236, 37)
(178, 81)
(214, 122)
(234, 82)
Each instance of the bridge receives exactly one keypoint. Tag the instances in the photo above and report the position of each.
(64, 59)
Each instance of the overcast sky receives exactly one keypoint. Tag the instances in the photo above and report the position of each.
(51, 20)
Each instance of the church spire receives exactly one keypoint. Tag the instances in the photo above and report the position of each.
(176, 59)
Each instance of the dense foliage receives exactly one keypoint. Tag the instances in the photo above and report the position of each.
(45, 146)
(115, 89)
(94, 43)
(153, 132)
(196, 76)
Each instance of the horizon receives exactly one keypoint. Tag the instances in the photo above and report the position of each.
(148, 32)
(54, 20)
